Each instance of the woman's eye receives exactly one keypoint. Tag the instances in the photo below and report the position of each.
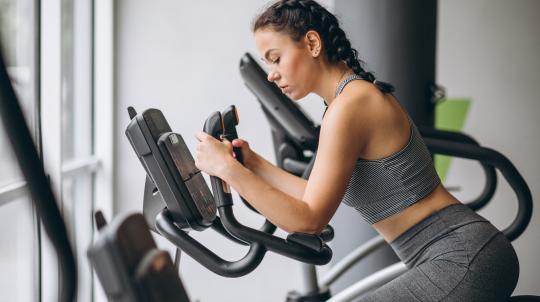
(275, 61)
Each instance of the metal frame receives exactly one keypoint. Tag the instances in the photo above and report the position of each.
(12, 191)
(104, 104)
(351, 259)
(81, 166)
(50, 116)
(311, 283)
(100, 164)
(370, 282)
(103, 27)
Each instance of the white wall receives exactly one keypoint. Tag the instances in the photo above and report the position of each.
(182, 57)
(488, 51)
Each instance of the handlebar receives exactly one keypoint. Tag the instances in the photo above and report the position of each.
(315, 252)
(491, 177)
(508, 170)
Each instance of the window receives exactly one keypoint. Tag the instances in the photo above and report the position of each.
(17, 33)
(19, 257)
(56, 85)
(78, 163)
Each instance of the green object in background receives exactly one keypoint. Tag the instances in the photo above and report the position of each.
(449, 115)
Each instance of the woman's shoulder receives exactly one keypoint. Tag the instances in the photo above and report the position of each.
(352, 115)
(362, 101)
(375, 121)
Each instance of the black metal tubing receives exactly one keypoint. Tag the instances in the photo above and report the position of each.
(295, 123)
(508, 170)
(447, 135)
(219, 228)
(275, 244)
(230, 120)
(214, 127)
(167, 228)
(272, 243)
(327, 234)
(491, 177)
(38, 184)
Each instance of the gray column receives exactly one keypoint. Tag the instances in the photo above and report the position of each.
(396, 38)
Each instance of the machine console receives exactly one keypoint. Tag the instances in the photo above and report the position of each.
(176, 182)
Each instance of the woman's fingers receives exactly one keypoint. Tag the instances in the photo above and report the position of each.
(239, 143)
(201, 136)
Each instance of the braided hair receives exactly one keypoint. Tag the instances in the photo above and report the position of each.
(297, 17)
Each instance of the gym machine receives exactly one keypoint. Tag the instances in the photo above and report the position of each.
(294, 133)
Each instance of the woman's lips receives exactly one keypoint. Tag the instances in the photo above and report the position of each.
(284, 88)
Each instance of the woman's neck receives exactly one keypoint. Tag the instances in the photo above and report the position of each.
(331, 76)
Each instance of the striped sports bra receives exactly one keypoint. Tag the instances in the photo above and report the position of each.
(381, 188)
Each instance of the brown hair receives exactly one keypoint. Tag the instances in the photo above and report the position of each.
(297, 17)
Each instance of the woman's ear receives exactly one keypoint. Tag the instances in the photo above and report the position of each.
(314, 43)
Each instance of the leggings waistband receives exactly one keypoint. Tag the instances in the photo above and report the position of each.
(432, 228)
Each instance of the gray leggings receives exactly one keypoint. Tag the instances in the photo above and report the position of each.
(452, 255)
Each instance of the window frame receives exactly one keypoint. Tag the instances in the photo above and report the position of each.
(46, 127)
(17, 190)
(12, 192)
(100, 164)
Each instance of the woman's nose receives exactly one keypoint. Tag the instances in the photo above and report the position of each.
(273, 76)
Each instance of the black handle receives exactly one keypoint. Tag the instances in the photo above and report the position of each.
(327, 234)
(214, 126)
(491, 177)
(277, 106)
(230, 121)
(508, 170)
(203, 255)
(291, 249)
(217, 226)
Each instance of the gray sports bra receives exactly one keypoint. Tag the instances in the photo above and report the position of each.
(381, 188)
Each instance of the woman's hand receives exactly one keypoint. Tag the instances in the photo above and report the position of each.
(247, 154)
(213, 157)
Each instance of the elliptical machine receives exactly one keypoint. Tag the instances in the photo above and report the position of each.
(166, 224)
(295, 135)
(177, 200)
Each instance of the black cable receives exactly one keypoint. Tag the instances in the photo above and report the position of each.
(40, 190)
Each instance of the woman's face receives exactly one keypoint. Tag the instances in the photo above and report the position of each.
(290, 64)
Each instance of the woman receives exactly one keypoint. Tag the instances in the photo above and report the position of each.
(370, 157)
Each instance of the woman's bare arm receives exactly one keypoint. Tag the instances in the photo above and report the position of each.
(276, 177)
(342, 137)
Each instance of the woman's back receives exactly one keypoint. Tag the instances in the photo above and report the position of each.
(394, 170)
